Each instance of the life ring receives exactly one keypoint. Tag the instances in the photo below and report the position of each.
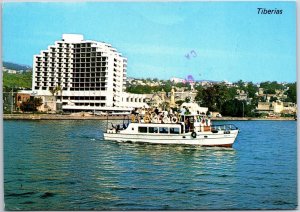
(133, 118)
(146, 119)
(194, 134)
(178, 116)
(174, 119)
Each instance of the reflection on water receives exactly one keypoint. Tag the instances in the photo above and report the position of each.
(66, 165)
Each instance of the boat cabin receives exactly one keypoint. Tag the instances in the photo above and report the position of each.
(135, 128)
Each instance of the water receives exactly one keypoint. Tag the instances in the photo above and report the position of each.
(66, 165)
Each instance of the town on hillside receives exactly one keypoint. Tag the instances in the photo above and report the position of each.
(76, 75)
(239, 98)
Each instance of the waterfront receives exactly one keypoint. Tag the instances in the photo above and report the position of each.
(66, 165)
(88, 116)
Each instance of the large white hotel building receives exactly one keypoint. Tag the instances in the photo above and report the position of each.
(91, 75)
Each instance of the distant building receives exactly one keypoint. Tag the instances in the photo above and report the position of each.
(260, 91)
(183, 95)
(227, 83)
(9, 71)
(205, 83)
(9, 101)
(177, 80)
(159, 98)
(264, 107)
(241, 95)
(21, 97)
(276, 107)
(87, 75)
(284, 107)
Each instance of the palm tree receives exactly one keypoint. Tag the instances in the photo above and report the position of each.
(59, 89)
(164, 106)
(52, 91)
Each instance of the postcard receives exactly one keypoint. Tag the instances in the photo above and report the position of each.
(168, 105)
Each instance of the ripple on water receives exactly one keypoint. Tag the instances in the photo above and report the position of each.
(66, 165)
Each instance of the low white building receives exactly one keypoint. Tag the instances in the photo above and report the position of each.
(130, 100)
(277, 107)
(284, 107)
(177, 80)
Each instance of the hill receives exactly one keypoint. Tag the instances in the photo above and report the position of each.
(17, 81)
(15, 66)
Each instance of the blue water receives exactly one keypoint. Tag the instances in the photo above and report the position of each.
(66, 165)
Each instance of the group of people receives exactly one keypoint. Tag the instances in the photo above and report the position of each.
(154, 115)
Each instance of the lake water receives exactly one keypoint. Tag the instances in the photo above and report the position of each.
(66, 165)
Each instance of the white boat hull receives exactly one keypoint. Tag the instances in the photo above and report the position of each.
(201, 139)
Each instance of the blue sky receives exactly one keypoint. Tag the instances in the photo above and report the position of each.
(230, 40)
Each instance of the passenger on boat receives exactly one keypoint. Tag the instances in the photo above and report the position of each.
(134, 111)
(187, 125)
(182, 111)
(143, 110)
(171, 111)
(156, 111)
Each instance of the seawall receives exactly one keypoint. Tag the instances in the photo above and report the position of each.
(83, 116)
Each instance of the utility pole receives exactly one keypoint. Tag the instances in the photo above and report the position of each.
(12, 100)
(33, 94)
(243, 109)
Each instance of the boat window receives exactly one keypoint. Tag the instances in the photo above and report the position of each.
(174, 130)
(163, 130)
(153, 130)
(142, 129)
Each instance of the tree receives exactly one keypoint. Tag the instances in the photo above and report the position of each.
(270, 91)
(213, 97)
(270, 87)
(273, 99)
(240, 84)
(251, 90)
(231, 108)
(179, 102)
(291, 92)
(237, 108)
(164, 106)
(19, 80)
(187, 99)
(223, 99)
(31, 104)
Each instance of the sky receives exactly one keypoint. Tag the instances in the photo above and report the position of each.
(208, 40)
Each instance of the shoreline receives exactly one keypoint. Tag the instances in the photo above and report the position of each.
(120, 117)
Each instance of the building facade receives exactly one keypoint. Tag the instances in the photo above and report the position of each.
(277, 107)
(82, 74)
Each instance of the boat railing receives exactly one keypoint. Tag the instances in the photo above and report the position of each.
(224, 127)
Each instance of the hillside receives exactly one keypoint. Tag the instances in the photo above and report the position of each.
(15, 66)
(19, 80)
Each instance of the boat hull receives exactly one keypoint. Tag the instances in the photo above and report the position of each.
(201, 139)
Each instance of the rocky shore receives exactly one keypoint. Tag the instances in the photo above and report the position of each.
(86, 116)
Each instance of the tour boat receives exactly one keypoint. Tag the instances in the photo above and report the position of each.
(181, 129)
